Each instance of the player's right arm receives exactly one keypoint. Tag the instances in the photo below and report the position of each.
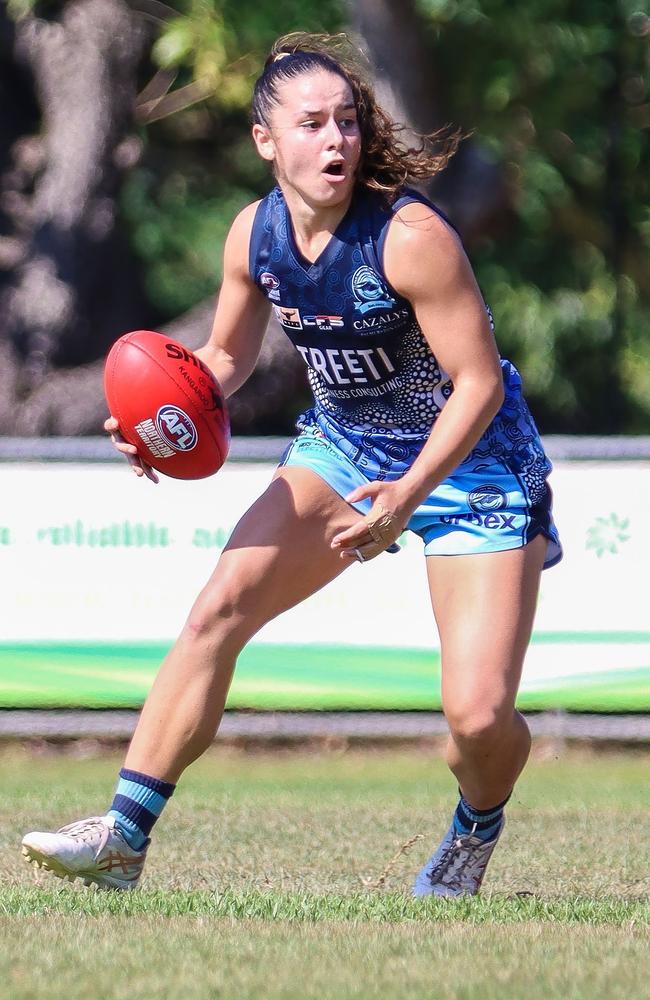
(242, 312)
(237, 331)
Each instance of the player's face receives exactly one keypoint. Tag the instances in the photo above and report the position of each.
(313, 140)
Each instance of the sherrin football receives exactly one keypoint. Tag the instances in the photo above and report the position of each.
(168, 404)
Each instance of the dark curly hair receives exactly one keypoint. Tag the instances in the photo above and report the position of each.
(386, 164)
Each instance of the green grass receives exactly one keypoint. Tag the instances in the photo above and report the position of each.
(270, 877)
(304, 907)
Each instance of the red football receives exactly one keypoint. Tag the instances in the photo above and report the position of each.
(168, 404)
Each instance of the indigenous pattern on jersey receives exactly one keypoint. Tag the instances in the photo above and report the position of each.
(377, 386)
(374, 378)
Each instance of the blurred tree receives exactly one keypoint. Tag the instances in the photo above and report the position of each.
(393, 33)
(78, 66)
(77, 247)
(200, 169)
(557, 90)
(550, 191)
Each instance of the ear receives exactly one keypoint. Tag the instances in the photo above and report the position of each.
(263, 142)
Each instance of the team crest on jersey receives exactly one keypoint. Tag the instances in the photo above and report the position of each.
(176, 428)
(289, 318)
(487, 498)
(369, 290)
(270, 284)
(325, 323)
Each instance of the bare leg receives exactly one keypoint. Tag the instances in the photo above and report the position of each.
(484, 607)
(278, 555)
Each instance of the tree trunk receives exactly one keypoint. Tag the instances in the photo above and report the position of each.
(71, 401)
(64, 240)
(393, 35)
(66, 252)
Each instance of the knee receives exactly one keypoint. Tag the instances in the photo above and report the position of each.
(478, 725)
(222, 615)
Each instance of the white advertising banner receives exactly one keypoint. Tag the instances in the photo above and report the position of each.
(91, 554)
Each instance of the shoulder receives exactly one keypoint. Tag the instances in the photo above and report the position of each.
(417, 226)
(239, 237)
(422, 246)
(243, 222)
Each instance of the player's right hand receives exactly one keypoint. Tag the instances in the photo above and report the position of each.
(129, 451)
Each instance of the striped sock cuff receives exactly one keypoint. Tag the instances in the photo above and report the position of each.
(138, 802)
(480, 822)
(164, 788)
(139, 815)
(482, 817)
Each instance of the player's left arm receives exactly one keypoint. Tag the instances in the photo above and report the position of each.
(425, 262)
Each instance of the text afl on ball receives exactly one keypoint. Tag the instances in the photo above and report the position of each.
(168, 404)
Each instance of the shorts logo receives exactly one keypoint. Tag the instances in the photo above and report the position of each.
(310, 444)
(270, 283)
(289, 318)
(176, 428)
(326, 323)
(487, 498)
(499, 521)
(369, 290)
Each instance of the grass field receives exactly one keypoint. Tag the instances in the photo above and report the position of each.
(270, 877)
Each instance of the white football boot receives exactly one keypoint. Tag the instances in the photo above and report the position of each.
(458, 866)
(92, 849)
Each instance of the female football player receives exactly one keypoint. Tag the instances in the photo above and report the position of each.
(416, 424)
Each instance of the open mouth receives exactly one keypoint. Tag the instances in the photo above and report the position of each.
(334, 169)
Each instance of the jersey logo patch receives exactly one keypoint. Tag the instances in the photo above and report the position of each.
(289, 318)
(369, 290)
(270, 284)
(326, 323)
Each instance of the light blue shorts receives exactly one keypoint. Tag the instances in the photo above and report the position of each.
(469, 512)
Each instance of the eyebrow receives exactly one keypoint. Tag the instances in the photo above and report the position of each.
(306, 113)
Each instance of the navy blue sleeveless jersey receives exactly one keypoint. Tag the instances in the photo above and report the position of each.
(377, 386)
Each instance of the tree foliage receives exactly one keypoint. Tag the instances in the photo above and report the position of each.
(555, 93)
(199, 167)
(558, 92)
(550, 191)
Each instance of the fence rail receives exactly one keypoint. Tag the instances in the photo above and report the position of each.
(559, 447)
(269, 727)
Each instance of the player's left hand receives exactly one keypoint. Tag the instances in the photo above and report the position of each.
(381, 526)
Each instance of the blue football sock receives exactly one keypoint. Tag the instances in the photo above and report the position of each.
(482, 823)
(139, 801)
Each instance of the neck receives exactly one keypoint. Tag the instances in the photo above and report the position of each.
(311, 222)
